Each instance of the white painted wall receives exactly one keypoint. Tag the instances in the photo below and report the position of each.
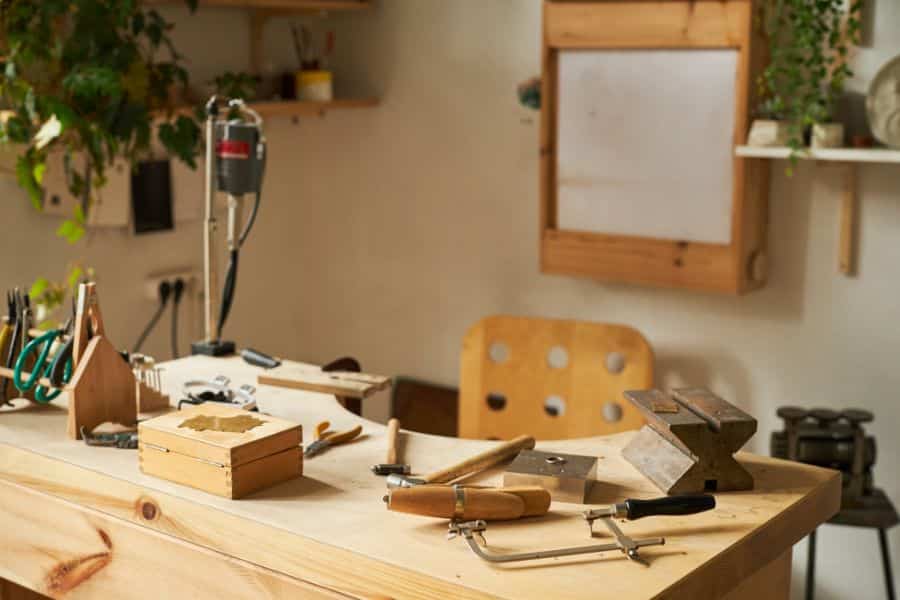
(386, 232)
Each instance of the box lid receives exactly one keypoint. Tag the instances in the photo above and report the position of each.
(220, 434)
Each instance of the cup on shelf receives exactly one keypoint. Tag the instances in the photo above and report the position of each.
(827, 135)
(314, 85)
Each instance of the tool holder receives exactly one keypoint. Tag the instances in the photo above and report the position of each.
(688, 441)
(7, 374)
(103, 387)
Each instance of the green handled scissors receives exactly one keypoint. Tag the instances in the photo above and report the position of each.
(58, 370)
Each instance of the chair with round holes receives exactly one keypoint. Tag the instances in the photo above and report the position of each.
(550, 378)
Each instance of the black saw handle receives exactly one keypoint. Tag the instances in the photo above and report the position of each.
(671, 505)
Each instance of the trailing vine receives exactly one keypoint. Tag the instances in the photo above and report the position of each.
(809, 43)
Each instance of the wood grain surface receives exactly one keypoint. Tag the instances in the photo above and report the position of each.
(331, 530)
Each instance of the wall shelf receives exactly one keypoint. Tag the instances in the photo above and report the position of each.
(296, 108)
(855, 155)
(847, 159)
(287, 6)
(299, 108)
(303, 108)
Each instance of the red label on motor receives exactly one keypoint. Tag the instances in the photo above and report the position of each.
(233, 149)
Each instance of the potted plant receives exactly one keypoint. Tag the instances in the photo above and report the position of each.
(95, 81)
(769, 128)
(809, 44)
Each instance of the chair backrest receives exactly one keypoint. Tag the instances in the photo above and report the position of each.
(550, 378)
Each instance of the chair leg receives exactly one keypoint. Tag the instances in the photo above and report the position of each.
(886, 563)
(811, 566)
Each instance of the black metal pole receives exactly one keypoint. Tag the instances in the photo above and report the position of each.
(886, 562)
(811, 566)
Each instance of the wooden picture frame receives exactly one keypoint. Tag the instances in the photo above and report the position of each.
(735, 267)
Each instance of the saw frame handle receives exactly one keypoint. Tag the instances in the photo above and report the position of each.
(688, 504)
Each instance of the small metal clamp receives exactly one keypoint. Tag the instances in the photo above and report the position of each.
(242, 397)
(126, 440)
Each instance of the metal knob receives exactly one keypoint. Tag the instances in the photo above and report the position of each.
(825, 416)
(857, 416)
(792, 414)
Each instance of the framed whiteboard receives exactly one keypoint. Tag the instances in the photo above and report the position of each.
(645, 143)
(643, 102)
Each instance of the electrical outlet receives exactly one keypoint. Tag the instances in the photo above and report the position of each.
(190, 276)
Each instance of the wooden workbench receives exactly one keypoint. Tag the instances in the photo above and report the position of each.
(85, 523)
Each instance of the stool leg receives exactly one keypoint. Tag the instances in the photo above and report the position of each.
(811, 566)
(886, 563)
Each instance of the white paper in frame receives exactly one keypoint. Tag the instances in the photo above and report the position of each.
(645, 143)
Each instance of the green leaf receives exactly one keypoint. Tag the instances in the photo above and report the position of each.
(70, 231)
(39, 286)
(25, 176)
(16, 130)
(38, 172)
(74, 275)
(91, 82)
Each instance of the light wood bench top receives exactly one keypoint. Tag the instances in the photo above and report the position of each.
(330, 528)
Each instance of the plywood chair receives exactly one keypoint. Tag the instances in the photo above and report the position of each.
(550, 378)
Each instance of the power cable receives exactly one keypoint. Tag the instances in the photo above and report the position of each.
(178, 290)
(165, 289)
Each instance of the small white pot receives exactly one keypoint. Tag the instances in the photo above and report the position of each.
(764, 132)
(827, 135)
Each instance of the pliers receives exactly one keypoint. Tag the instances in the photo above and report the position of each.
(326, 439)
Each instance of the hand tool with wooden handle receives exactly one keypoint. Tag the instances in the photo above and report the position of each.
(392, 466)
(466, 503)
(475, 464)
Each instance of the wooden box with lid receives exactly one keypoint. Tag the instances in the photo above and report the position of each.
(221, 449)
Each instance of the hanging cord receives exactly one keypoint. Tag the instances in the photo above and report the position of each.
(177, 291)
(165, 289)
(231, 274)
(228, 291)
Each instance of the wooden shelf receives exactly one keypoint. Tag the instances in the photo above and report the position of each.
(848, 159)
(299, 108)
(286, 6)
(858, 155)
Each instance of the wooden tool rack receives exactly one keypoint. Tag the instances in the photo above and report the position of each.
(103, 388)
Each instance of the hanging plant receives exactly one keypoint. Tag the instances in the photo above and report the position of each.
(810, 43)
(91, 79)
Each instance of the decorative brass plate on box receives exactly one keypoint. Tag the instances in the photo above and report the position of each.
(221, 449)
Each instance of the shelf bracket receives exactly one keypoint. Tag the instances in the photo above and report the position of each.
(848, 221)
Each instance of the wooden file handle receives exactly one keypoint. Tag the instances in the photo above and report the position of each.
(480, 462)
(393, 428)
(441, 501)
(536, 499)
